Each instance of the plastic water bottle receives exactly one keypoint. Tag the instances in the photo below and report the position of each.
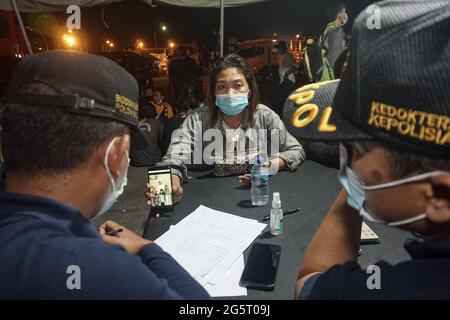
(276, 215)
(260, 183)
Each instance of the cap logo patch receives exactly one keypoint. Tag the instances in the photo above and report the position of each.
(126, 106)
(308, 112)
(415, 124)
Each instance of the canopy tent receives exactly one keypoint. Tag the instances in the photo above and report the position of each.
(61, 5)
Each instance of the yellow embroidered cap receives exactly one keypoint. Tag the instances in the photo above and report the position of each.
(395, 87)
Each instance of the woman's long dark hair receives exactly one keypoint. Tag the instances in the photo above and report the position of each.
(233, 61)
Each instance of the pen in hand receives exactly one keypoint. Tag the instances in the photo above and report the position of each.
(111, 232)
(267, 218)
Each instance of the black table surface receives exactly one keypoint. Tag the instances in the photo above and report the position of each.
(313, 188)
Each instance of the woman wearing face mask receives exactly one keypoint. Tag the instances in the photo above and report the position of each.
(233, 110)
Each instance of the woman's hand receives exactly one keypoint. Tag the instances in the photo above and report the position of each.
(274, 166)
(114, 234)
(245, 179)
(177, 188)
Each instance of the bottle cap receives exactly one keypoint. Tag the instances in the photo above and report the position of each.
(260, 159)
(276, 201)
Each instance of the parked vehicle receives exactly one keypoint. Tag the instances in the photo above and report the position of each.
(143, 68)
(161, 55)
(192, 51)
(12, 46)
(263, 56)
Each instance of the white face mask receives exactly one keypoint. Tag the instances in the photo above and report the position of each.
(357, 190)
(122, 181)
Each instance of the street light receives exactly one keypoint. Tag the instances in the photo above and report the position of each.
(163, 27)
(172, 45)
(69, 40)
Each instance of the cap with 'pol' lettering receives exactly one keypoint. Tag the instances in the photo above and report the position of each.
(396, 84)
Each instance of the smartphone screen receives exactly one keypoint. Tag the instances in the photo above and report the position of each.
(261, 268)
(160, 181)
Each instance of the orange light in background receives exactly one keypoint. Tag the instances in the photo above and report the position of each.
(172, 45)
(111, 44)
(141, 45)
(107, 41)
(70, 30)
(69, 40)
(297, 36)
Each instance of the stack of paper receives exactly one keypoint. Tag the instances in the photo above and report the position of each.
(209, 245)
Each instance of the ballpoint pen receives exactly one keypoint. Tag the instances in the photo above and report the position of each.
(266, 218)
(112, 232)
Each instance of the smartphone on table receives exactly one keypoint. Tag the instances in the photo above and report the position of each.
(260, 271)
(160, 182)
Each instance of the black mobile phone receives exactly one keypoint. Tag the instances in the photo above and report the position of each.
(160, 181)
(260, 271)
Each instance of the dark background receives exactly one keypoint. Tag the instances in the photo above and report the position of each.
(132, 19)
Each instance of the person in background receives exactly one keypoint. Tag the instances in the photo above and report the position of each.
(65, 141)
(394, 159)
(164, 110)
(191, 97)
(145, 101)
(233, 104)
(153, 130)
(287, 68)
(183, 71)
(333, 39)
(175, 123)
(234, 45)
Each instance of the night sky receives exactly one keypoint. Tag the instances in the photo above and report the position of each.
(132, 19)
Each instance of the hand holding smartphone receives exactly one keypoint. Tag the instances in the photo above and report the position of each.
(160, 186)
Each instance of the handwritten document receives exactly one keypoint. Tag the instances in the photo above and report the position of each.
(208, 244)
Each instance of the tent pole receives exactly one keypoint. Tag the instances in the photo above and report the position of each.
(21, 26)
(222, 17)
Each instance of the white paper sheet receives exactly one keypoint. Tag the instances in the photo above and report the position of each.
(198, 252)
(209, 243)
(229, 285)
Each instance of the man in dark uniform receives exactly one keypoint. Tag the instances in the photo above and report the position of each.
(391, 113)
(65, 143)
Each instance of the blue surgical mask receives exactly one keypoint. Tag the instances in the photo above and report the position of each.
(232, 104)
(356, 189)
